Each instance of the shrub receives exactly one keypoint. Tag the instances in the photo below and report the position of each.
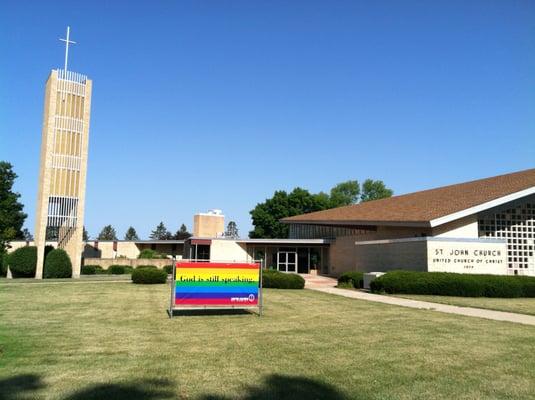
(149, 276)
(22, 262)
(168, 269)
(146, 266)
(99, 270)
(351, 279)
(57, 265)
(452, 284)
(89, 270)
(3, 263)
(278, 280)
(128, 269)
(116, 269)
(149, 253)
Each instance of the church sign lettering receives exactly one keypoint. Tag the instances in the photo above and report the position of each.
(477, 257)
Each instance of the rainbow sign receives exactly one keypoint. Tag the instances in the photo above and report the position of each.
(207, 284)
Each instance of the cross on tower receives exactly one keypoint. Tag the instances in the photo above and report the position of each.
(67, 41)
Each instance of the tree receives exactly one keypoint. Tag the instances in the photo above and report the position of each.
(161, 233)
(344, 194)
(27, 235)
(266, 216)
(107, 233)
(232, 230)
(52, 233)
(85, 234)
(131, 234)
(374, 190)
(182, 233)
(11, 215)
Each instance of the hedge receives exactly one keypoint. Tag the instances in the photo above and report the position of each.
(149, 253)
(99, 270)
(354, 279)
(22, 262)
(168, 269)
(149, 276)
(57, 265)
(278, 280)
(89, 269)
(3, 263)
(116, 269)
(452, 284)
(146, 266)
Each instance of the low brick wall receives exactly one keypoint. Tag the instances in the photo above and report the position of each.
(106, 262)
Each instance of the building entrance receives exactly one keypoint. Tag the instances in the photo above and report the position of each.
(287, 261)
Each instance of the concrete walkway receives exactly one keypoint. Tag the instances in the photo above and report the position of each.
(327, 285)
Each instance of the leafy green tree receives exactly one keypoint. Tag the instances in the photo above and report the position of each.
(266, 215)
(11, 215)
(374, 190)
(107, 233)
(344, 194)
(161, 233)
(182, 233)
(131, 234)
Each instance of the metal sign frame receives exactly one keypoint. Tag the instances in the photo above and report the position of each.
(173, 307)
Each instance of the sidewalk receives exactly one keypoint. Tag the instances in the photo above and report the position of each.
(327, 285)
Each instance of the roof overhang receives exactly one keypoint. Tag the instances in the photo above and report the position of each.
(361, 224)
(482, 207)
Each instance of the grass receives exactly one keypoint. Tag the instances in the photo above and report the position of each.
(516, 305)
(104, 340)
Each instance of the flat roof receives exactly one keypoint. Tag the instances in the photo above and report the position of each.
(431, 207)
(267, 241)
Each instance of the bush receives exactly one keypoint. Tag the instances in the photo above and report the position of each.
(22, 262)
(452, 284)
(168, 269)
(279, 280)
(149, 253)
(149, 276)
(128, 269)
(89, 270)
(57, 265)
(351, 279)
(146, 266)
(99, 270)
(3, 263)
(116, 269)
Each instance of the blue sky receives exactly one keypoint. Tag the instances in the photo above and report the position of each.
(217, 104)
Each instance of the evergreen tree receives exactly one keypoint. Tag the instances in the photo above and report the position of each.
(107, 233)
(232, 230)
(131, 234)
(27, 235)
(11, 215)
(85, 234)
(161, 233)
(182, 233)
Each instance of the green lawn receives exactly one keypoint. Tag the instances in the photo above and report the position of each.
(516, 305)
(115, 341)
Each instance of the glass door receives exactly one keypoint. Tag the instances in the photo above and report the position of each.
(287, 261)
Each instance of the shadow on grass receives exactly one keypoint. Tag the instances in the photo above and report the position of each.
(20, 386)
(283, 387)
(142, 389)
(193, 312)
